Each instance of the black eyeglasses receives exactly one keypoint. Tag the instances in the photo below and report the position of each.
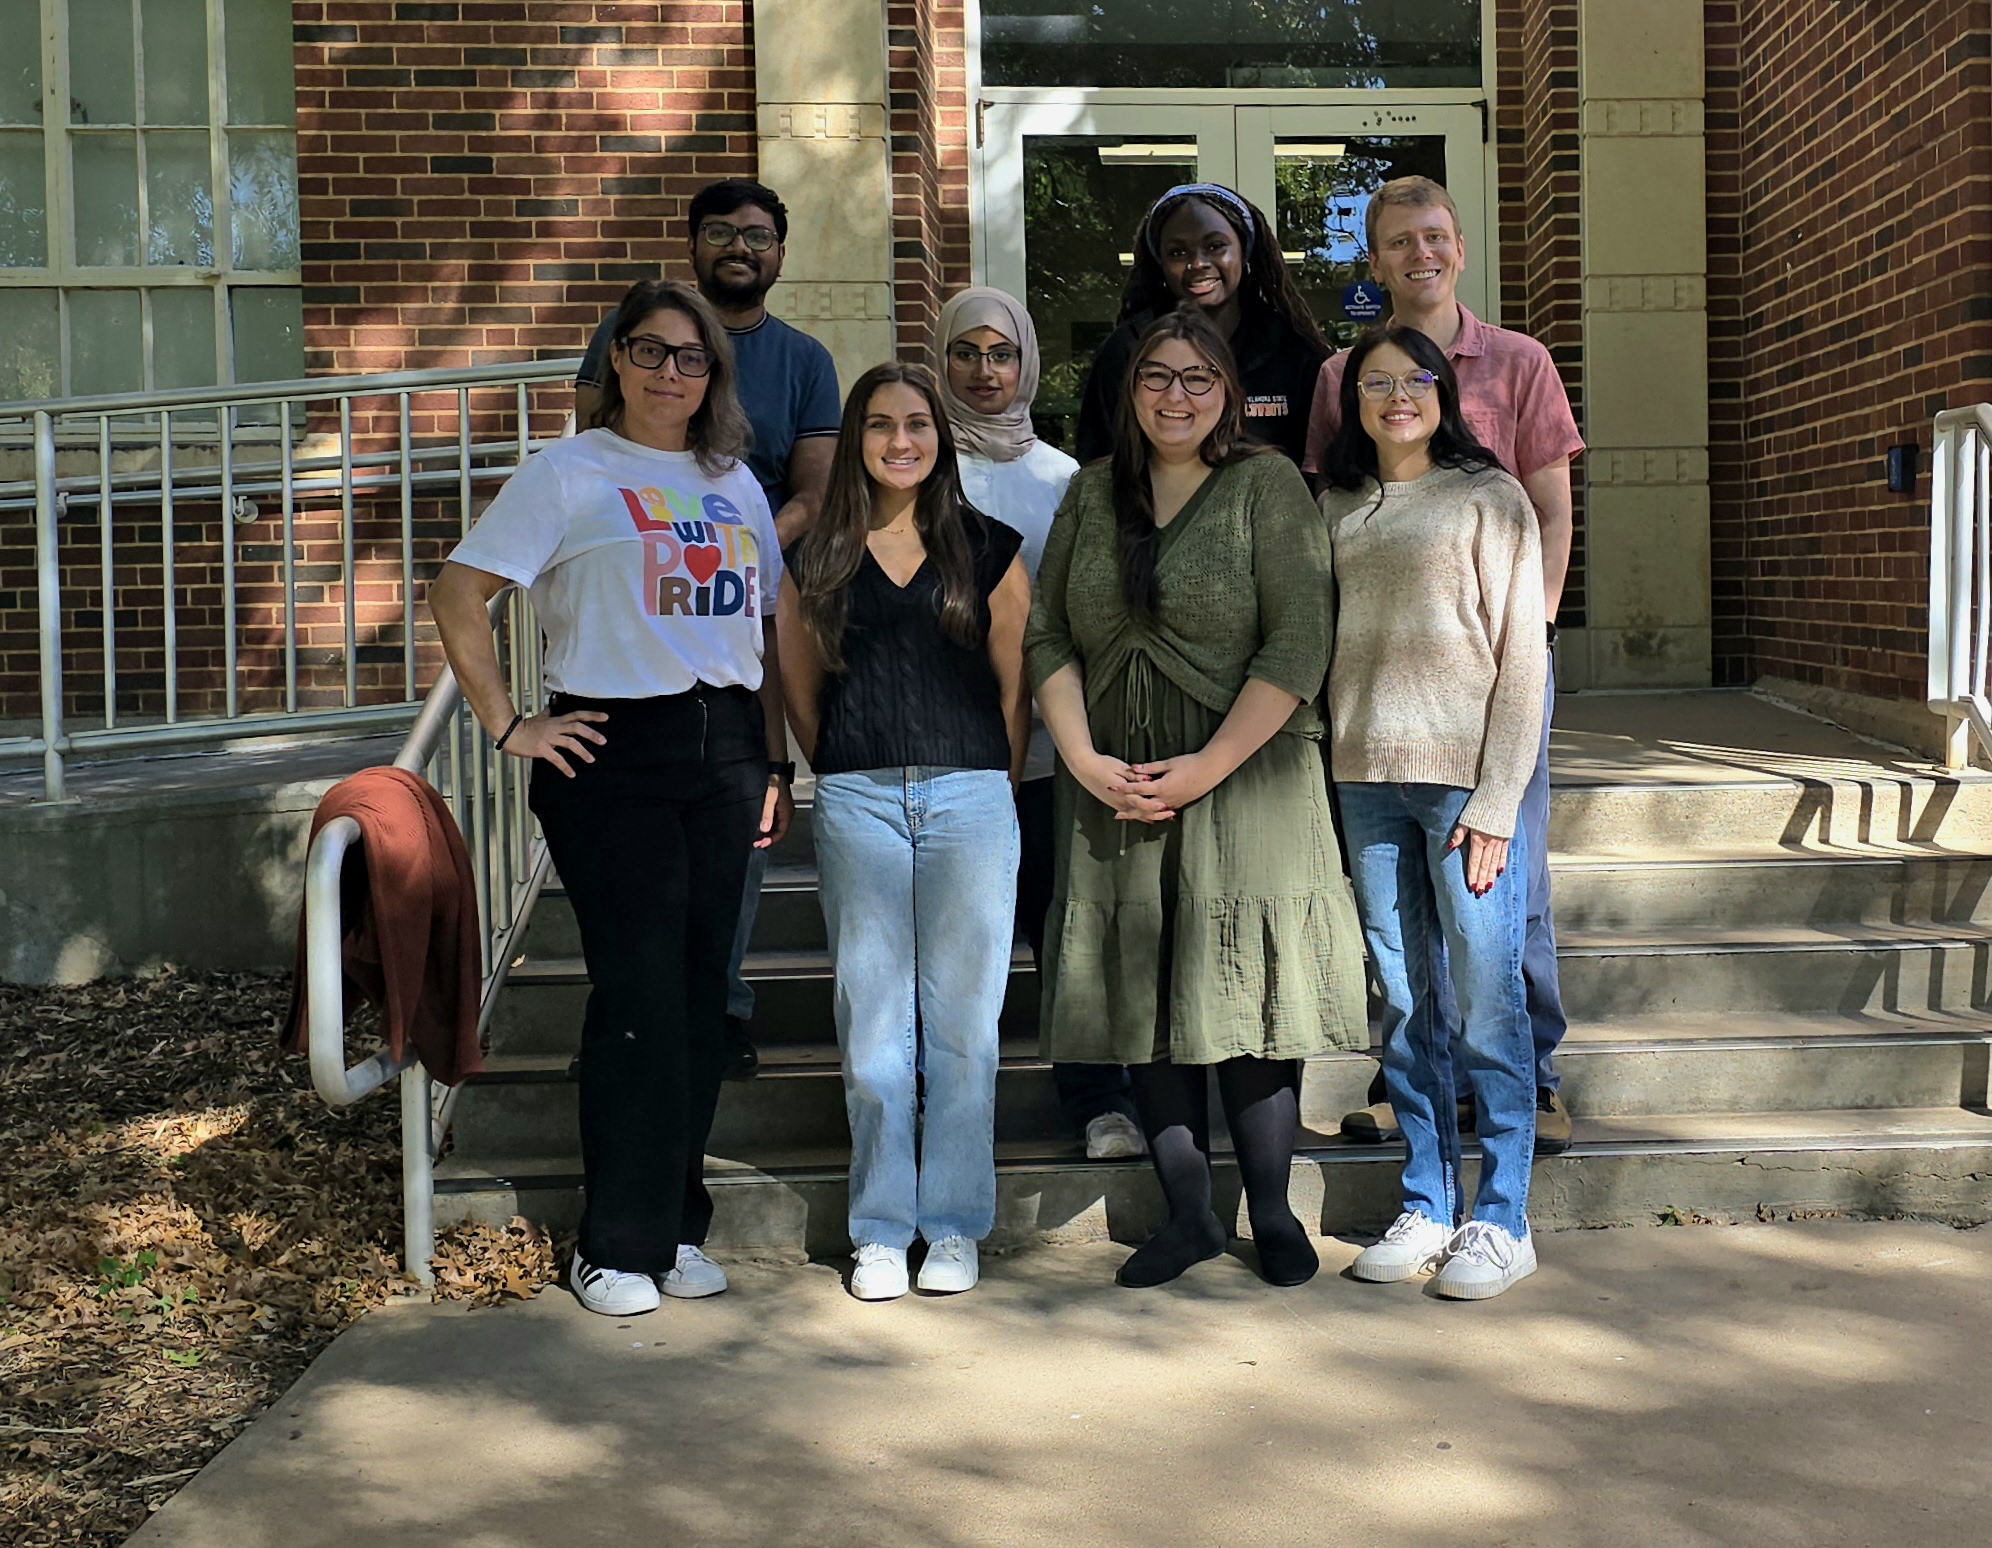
(1001, 358)
(1196, 380)
(723, 233)
(649, 354)
(1378, 385)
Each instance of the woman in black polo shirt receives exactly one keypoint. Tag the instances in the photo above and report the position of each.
(1203, 245)
(907, 694)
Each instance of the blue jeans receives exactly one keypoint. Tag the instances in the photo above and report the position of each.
(740, 993)
(1547, 1023)
(918, 870)
(1409, 887)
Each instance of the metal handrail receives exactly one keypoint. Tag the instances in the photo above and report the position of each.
(389, 476)
(383, 384)
(1960, 622)
(486, 792)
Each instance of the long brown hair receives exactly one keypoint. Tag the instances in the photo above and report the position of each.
(1134, 494)
(834, 548)
(717, 434)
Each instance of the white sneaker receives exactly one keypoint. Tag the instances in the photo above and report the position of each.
(696, 1275)
(1411, 1245)
(1482, 1260)
(952, 1266)
(1114, 1137)
(611, 1292)
(880, 1274)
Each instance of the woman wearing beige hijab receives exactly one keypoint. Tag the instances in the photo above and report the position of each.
(988, 347)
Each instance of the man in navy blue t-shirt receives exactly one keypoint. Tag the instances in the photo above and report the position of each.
(788, 386)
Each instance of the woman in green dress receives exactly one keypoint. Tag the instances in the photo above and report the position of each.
(1177, 643)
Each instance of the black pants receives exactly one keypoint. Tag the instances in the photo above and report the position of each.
(651, 843)
(1085, 1091)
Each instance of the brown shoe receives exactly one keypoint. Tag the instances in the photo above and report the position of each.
(1371, 1125)
(1552, 1123)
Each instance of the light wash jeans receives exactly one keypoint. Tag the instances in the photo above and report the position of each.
(1408, 886)
(918, 872)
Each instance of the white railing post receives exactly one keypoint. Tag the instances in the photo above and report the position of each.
(1960, 613)
(418, 1177)
(48, 601)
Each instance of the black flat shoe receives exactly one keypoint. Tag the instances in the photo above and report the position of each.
(742, 1059)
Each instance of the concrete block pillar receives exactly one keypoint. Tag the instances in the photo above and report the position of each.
(1645, 274)
(820, 98)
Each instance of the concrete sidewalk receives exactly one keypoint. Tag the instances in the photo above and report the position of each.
(1816, 1384)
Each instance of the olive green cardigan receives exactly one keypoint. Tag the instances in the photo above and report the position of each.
(1246, 587)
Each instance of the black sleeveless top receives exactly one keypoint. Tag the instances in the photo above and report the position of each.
(908, 694)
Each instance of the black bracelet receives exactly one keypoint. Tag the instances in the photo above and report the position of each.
(499, 745)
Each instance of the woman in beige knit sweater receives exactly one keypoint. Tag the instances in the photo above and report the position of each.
(1177, 641)
(1435, 706)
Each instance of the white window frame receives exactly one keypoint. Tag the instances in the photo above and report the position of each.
(64, 275)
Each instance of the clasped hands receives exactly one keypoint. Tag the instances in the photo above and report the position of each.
(1150, 792)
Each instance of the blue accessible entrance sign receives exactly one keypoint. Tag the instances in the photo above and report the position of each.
(1363, 301)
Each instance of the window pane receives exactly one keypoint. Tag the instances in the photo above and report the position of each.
(176, 69)
(269, 334)
(183, 337)
(1083, 196)
(1237, 43)
(23, 201)
(106, 173)
(1324, 188)
(106, 343)
(100, 72)
(30, 353)
(179, 202)
(261, 88)
(262, 191)
(20, 71)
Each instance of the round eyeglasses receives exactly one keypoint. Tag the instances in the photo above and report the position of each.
(1196, 380)
(968, 357)
(723, 233)
(649, 354)
(1378, 385)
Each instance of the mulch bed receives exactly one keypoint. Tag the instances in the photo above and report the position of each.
(184, 1225)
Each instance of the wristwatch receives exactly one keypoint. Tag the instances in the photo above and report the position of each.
(1551, 626)
(783, 771)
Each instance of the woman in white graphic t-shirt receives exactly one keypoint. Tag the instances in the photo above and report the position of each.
(654, 569)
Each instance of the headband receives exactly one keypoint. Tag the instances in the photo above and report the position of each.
(1215, 192)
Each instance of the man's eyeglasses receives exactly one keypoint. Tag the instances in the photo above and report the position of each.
(968, 357)
(723, 233)
(1378, 385)
(1196, 380)
(648, 354)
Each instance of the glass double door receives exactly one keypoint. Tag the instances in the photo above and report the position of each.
(1064, 185)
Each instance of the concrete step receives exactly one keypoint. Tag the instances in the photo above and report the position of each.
(525, 1105)
(1593, 892)
(1932, 1162)
(541, 1009)
(1657, 890)
(1851, 968)
(1608, 974)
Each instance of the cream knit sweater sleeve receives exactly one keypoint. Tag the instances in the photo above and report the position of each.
(1508, 557)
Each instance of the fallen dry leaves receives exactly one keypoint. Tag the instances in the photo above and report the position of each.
(184, 1225)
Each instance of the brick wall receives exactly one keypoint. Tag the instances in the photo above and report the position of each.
(481, 181)
(1851, 300)
(928, 83)
(1537, 199)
